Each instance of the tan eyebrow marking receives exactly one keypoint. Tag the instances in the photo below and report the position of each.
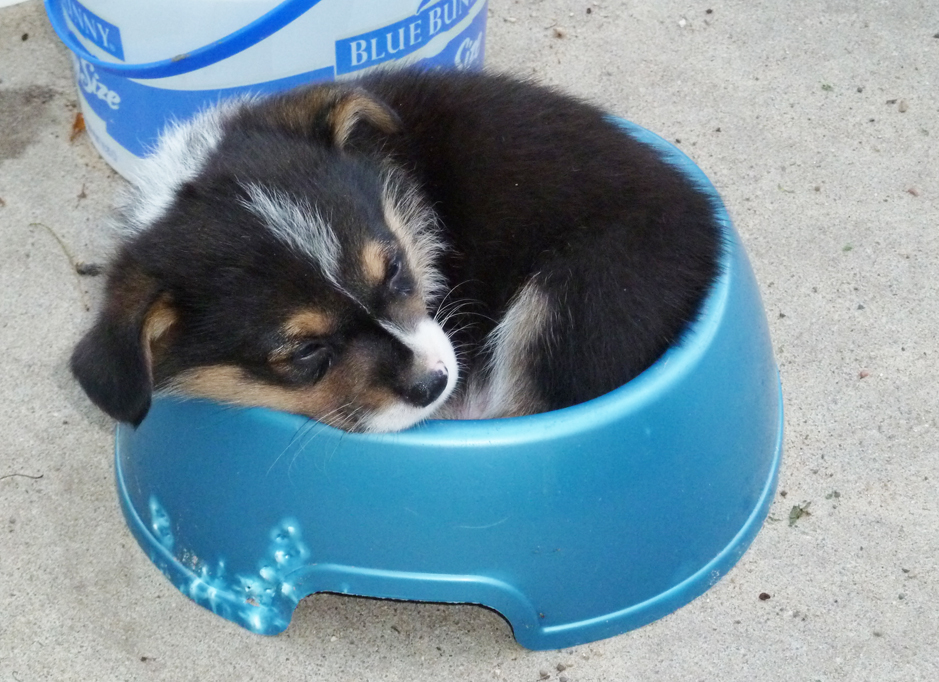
(309, 322)
(374, 262)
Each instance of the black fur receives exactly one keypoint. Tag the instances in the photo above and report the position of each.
(528, 185)
(530, 182)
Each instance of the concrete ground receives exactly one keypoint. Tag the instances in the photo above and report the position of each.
(819, 124)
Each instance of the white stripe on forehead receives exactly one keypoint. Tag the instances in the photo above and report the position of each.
(298, 225)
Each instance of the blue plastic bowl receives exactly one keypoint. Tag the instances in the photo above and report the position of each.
(575, 525)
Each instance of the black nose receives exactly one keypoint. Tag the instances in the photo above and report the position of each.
(427, 389)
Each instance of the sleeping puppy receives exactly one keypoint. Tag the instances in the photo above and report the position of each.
(408, 245)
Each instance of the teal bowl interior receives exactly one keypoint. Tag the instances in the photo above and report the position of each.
(575, 525)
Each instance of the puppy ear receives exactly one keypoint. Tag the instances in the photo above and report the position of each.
(113, 362)
(330, 113)
(357, 106)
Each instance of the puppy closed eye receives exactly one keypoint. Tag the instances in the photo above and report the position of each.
(397, 281)
(311, 360)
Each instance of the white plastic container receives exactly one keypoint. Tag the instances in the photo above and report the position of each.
(139, 64)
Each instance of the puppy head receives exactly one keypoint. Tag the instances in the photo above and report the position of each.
(284, 272)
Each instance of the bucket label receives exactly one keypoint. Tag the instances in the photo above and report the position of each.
(105, 35)
(134, 114)
(89, 82)
(464, 51)
(433, 17)
(125, 116)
